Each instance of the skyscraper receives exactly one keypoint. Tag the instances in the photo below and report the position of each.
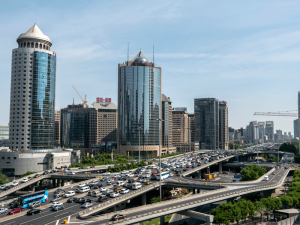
(296, 128)
(261, 130)
(223, 125)
(139, 105)
(167, 123)
(180, 125)
(269, 130)
(207, 122)
(32, 96)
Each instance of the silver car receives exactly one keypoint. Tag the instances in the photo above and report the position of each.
(87, 204)
(3, 210)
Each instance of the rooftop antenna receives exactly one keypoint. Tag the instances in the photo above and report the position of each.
(128, 53)
(153, 54)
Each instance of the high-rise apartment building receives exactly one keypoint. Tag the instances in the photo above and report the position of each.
(261, 130)
(269, 130)
(139, 106)
(296, 128)
(223, 125)
(207, 122)
(57, 128)
(32, 95)
(167, 122)
(180, 125)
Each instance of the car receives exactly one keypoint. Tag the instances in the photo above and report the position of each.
(55, 204)
(58, 207)
(110, 181)
(118, 217)
(2, 187)
(108, 192)
(35, 204)
(99, 185)
(102, 189)
(85, 200)
(114, 194)
(273, 173)
(103, 179)
(79, 200)
(90, 193)
(130, 180)
(95, 187)
(58, 190)
(92, 167)
(71, 173)
(69, 194)
(72, 199)
(124, 172)
(106, 174)
(59, 194)
(24, 180)
(148, 171)
(87, 204)
(3, 210)
(30, 178)
(56, 199)
(13, 204)
(129, 175)
(81, 184)
(15, 210)
(185, 169)
(7, 187)
(149, 182)
(94, 182)
(124, 191)
(37, 175)
(34, 211)
(45, 173)
(15, 183)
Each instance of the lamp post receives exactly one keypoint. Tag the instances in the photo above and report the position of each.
(159, 166)
(139, 144)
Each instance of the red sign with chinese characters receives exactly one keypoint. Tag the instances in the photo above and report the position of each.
(107, 99)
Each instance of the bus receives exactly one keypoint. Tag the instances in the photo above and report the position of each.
(26, 200)
(164, 175)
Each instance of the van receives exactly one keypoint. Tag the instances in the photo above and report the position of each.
(266, 178)
(84, 189)
(136, 186)
(96, 193)
(119, 183)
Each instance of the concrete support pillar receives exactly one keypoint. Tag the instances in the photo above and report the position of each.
(198, 191)
(144, 199)
(33, 188)
(199, 175)
(114, 209)
(220, 167)
(208, 170)
(40, 184)
(59, 182)
(194, 191)
(62, 183)
(162, 220)
(54, 183)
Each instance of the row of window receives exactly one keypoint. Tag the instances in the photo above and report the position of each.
(9, 157)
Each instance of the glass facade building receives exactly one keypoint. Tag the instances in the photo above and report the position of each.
(206, 112)
(43, 101)
(139, 102)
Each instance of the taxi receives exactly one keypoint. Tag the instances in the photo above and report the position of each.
(149, 182)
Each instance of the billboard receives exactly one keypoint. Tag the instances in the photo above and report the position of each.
(180, 109)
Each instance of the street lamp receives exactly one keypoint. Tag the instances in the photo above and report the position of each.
(139, 144)
(159, 166)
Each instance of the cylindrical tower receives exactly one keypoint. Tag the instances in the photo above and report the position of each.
(32, 96)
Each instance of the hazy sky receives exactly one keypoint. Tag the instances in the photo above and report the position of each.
(243, 52)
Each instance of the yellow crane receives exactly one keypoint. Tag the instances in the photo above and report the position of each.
(83, 100)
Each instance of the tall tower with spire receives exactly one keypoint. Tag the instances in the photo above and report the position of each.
(32, 95)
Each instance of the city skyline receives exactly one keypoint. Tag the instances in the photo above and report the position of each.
(236, 56)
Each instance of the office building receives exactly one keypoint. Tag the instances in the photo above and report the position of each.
(253, 132)
(296, 128)
(167, 126)
(107, 122)
(191, 118)
(32, 95)
(207, 122)
(279, 135)
(139, 106)
(269, 130)
(261, 130)
(223, 125)
(231, 132)
(57, 128)
(180, 125)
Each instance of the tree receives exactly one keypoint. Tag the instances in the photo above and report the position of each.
(287, 200)
(236, 213)
(260, 207)
(223, 213)
(3, 179)
(252, 172)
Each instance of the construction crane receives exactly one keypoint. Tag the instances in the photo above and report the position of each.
(83, 100)
(276, 114)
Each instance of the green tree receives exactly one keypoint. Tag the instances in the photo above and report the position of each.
(260, 208)
(287, 200)
(155, 199)
(3, 179)
(252, 172)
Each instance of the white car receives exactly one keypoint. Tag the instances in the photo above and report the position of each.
(106, 174)
(143, 170)
(148, 171)
(124, 172)
(113, 195)
(24, 180)
(55, 204)
(124, 191)
(69, 194)
(81, 184)
(2, 187)
(3, 210)
(87, 204)
(129, 175)
(102, 189)
(71, 173)
(147, 175)
(94, 182)
(15, 183)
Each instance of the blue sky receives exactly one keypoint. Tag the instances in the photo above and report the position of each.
(243, 52)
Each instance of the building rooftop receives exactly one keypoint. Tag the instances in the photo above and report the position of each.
(34, 33)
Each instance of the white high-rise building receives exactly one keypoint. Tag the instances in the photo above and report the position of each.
(32, 95)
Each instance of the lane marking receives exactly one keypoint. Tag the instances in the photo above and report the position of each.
(61, 214)
(57, 222)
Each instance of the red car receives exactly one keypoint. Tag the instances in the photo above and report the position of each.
(114, 178)
(15, 210)
(92, 167)
(188, 166)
